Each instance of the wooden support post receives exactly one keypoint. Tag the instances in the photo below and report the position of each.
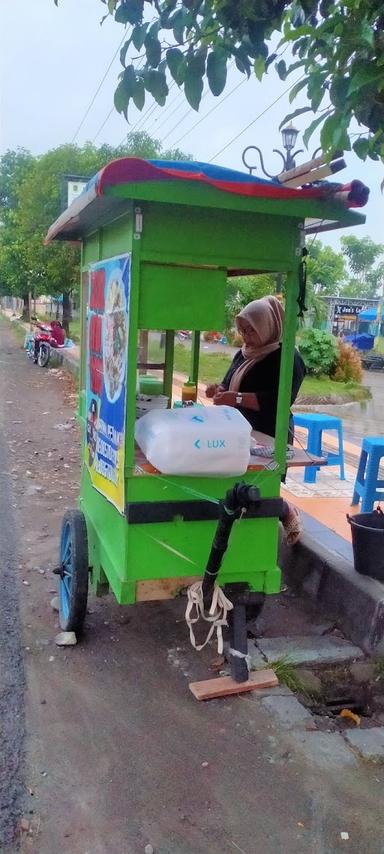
(287, 357)
(169, 353)
(195, 354)
(143, 349)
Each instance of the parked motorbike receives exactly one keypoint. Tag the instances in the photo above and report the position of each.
(45, 337)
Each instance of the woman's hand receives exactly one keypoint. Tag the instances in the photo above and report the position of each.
(213, 389)
(225, 398)
(228, 398)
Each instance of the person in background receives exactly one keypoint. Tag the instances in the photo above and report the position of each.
(251, 383)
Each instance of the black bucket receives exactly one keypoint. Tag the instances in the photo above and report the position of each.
(368, 543)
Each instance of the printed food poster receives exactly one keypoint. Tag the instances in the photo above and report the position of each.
(107, 334)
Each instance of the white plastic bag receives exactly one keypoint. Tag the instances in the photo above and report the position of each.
(196, 440)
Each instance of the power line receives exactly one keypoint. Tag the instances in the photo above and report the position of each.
(98, 90)
(148, 112)
(215, 107)
(188, 113)
(180, 99)
(254, 120)
(189, 109)
(104, 123)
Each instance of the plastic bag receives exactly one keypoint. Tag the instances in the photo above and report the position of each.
(196, 440)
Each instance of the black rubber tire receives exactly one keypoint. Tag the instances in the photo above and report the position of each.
(78, 596)
(43, 357)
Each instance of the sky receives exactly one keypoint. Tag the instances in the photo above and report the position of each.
(53, 60)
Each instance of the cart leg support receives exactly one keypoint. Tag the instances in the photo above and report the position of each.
(238, 652)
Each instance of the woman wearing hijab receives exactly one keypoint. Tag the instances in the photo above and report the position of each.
(251, 383)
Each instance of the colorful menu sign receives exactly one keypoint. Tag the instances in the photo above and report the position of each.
(106, 378)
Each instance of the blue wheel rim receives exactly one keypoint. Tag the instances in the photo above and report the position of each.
(67, 565)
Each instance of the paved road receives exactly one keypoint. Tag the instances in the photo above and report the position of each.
(368, 420)
(11, 666)
(116, 746)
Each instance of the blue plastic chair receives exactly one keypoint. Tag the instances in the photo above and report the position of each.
(368, 486)
(315, 423)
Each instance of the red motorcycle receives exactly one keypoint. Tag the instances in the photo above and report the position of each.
(45, 337)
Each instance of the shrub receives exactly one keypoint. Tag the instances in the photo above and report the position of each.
(319, 351)
(348, 366)
(234, 338)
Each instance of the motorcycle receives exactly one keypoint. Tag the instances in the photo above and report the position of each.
(45, 337)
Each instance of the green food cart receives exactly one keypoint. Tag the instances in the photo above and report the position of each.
(159, 240)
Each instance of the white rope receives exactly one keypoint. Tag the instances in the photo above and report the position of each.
(217, 615)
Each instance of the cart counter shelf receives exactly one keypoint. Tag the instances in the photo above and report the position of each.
(299, 458)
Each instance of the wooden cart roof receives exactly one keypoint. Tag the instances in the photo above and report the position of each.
(109, 193)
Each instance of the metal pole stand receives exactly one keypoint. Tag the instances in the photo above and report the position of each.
(244, 601)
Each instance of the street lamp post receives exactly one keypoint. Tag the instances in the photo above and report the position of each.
(289, 136)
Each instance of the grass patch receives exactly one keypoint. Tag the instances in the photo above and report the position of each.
(323, 387)
(286, 674)
(13, 324)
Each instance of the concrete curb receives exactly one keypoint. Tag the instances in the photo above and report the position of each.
(329, 579)
(66, 361)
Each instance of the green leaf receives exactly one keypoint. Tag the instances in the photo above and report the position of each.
(259, 67)
(366, 33)
(155, 82)
(177, 22)
(281, 69)
(334, 134)
(312, 127)
(138, 95)
(338, 91)
(176, 64)
(193, 82)
(242, 60)
(293, 115)
(297, 88)
(317, 94)
(293, 35)
(111, 6)
(129, 12)
(217, 70)
(364, 77)
(123, 52)
(361, 148)
(125, 90)
(152, 49)
(138, 35)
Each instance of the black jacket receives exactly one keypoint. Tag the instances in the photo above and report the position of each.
(263, 380)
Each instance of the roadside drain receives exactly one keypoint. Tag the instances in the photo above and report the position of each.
(341, 702)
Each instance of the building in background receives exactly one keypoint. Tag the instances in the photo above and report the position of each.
(346, 315)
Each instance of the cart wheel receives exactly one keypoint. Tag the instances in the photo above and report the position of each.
(73, 572)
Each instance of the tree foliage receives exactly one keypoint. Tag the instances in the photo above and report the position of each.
(325, 269)
(243, 289)
(363, 256)
(337, 48)
(30, 200)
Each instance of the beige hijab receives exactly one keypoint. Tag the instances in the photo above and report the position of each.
(266, 317)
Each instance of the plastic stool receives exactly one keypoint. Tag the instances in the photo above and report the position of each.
(315, 423)
(368, 487)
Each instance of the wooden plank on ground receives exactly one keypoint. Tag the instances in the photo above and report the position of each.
(224, 686)
(163, 588)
